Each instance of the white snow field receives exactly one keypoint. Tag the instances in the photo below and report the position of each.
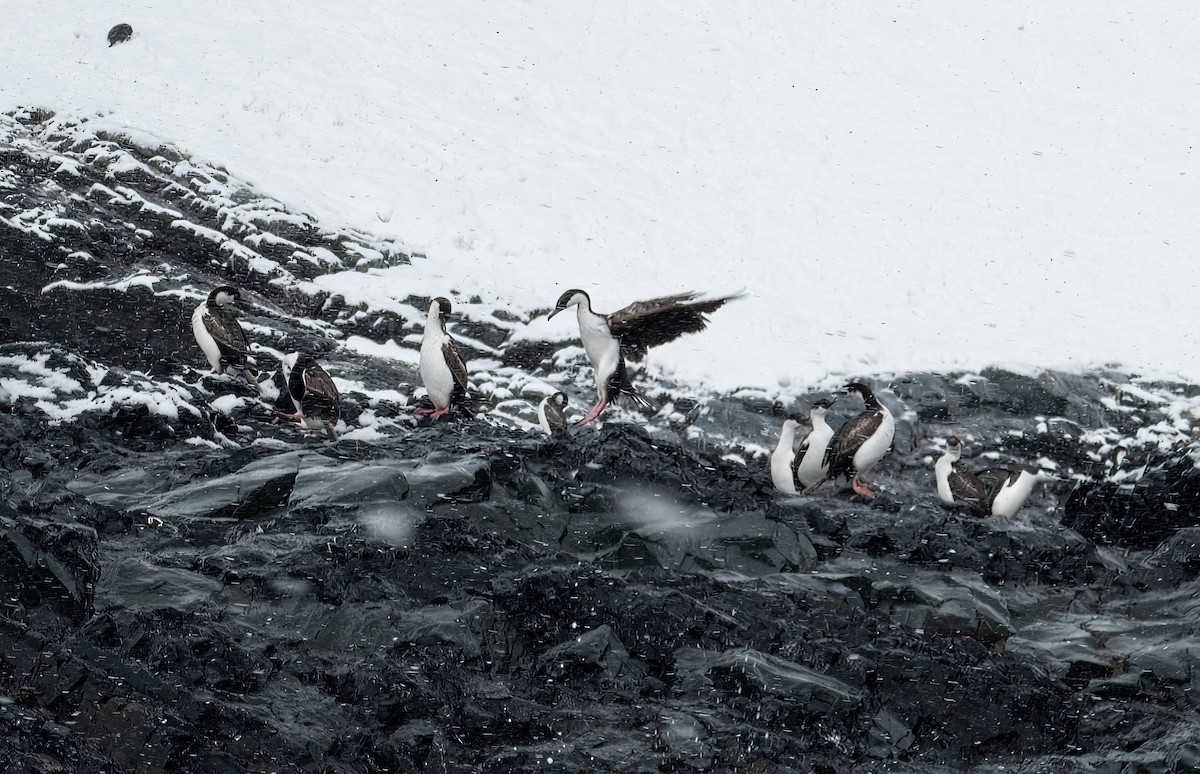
(928, 185)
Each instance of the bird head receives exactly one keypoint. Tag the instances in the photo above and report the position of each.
(439, 309)
(821, 408)
(954, 447)
(224, 294)
(568, 299)
(559, 399)
(794, 420)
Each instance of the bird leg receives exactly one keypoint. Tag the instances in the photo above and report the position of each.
(331, 432)
(298, 416)
(861, 487)
(593, 412)
(434, 413)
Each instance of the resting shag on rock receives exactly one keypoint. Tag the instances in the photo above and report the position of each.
(313, 393)
(442, 368)
(221, 337)
(859, 444)
(629, 333)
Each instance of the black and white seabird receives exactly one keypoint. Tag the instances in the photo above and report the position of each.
(442, 368)
(995, 491)
(783, 467)
(960, 486)
(1015, 490)
(629, 333)
(812, 467)
(552, 414)
(796, 470)
(220, 335)
(862, 441)
(313, 393)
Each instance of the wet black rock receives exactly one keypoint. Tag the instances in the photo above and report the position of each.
(119, 34)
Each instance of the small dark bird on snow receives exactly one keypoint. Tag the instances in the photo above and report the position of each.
(629, 333)
(119, 34)
(552, 414)
(442, 368)
(220, 335)
(313, 393)
(859, 444)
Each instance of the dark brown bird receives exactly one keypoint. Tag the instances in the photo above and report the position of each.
(630, 333)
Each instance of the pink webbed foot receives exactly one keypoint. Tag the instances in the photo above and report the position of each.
(593, 412)
(436, 415)
(862, 488)
(423, 410)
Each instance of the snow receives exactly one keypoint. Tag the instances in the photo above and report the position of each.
(1006, 182)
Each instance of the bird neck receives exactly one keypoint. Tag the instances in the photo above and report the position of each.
(941, 471)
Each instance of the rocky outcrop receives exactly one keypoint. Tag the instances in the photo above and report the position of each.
(190, 585)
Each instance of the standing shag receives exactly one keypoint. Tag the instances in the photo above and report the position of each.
(221, 337)
(442, 368)
(796, 470)
(629, 333)
(862, 441)
(812, 468)
(313, 393)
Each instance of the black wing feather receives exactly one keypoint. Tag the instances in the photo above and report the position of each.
(839, 456)
(229, 334)
(969, 489)
(646, 324)
(320, 394)
(458, 369)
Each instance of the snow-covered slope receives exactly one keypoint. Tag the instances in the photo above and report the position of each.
(917, 186)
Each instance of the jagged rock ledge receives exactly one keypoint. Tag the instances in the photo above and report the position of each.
(191, 586)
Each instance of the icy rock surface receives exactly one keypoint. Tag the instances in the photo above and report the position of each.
(190, 585)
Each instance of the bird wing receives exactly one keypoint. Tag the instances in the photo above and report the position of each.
(320, 394)
(971, 490)
(839, 456)
(458, 369)
(645, 324)
(556, 417)
(228, 333)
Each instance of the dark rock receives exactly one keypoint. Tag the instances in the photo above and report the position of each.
(119, 34)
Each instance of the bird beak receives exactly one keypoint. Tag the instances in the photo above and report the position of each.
(556, 311)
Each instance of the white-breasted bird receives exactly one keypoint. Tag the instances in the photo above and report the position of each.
(442, 368)
(994, 491)
(629, 333)
(221, 337)
(859, 444)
